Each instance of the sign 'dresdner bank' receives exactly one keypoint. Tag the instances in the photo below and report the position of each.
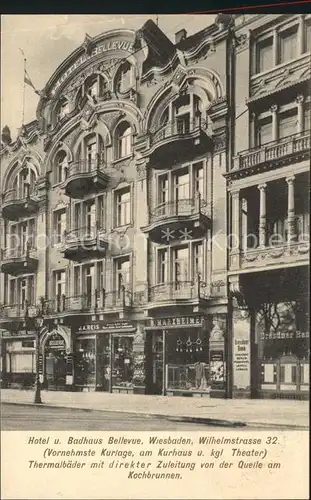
(105, 47)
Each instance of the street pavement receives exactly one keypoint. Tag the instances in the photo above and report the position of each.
(15, 417)
(289, 414)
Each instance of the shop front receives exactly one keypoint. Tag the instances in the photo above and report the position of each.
(181, 359)
(18, 357)
(106, 360)
(55, 360)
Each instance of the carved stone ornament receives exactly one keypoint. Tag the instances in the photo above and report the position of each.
(217, 333)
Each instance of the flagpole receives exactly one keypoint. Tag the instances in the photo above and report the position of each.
(24, 88)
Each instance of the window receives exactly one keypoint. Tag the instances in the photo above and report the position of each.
(95, 86)
(22, 291)
(288, 44)
(181, 188)
(288, 123)
(61, 167)
(264, 131)
(264, 55)
(59, 224)
(77, 281)
(123, 207)
(198, 175)
(90, 218)
(24, 181)
(122, 272)
(162, 266)
(125, 77)
(91, 152)
(124, 140)
(59, 283)
(307, 37)
(307, 116)
(197, 256)
(180, 264)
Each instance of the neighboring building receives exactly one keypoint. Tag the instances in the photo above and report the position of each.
(114, 215)
(268, 183)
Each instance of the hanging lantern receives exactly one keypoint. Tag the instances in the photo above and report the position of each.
(179, 345)
(198, 345)
(189, 345)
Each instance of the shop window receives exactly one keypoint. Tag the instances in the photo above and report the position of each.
(288, 123)
(264, 55)
(123, 206)
(264, 131)
(122, 368)
(61, 167)
(85, 362)
(124, 137)
(59, 224)
(288, 44)
(187, 361)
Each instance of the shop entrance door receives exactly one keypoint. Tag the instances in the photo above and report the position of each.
(55, 363)
(155, 363)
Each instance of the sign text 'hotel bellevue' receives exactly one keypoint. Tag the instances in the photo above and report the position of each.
(106, 47)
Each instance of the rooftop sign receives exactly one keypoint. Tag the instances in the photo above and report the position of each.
(105, 47)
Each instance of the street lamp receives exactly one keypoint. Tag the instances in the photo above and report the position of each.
(36, 314)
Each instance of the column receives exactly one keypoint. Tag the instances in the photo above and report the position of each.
(262, 215)
(273, 110)
(236, 221)
(300, 120)
(291, 210)
(244, 223)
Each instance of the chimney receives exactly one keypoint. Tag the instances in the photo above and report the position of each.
(180, 35)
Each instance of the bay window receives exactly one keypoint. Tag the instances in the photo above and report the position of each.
(179, 264)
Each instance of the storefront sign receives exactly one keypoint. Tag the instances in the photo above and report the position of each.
(176, 321)
(101, 326)
(19, 333)
(56, 343)
(241, 355)
(105, 47)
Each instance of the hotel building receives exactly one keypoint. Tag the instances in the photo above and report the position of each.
(119, 204)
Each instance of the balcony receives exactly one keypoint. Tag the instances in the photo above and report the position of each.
(99, 301)
(13, 313)
(183, 219)
(84, 177)
(19, 260)
(291, 149)
(85, 242)
(19, 203)
(182, 293)
(176, 139)
(275, 256)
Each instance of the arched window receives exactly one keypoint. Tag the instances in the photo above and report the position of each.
(90, 151)
(124, 136)
(25, 180)
(95, 86)
(61, 167)
(125, 77)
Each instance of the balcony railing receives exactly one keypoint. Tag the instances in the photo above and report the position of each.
(85, 166)
(99, 300)
(178, 128)
(12, 311)
(274, 150)
(22, 193)
(20, 252)
(83, 234)
(183, 207)
(178, 290)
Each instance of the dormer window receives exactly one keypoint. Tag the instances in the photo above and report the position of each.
(125, 78)
(124, 137)
(95, 86)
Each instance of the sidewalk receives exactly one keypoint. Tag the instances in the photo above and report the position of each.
(287, 414)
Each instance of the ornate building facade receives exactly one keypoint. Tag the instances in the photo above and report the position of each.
(117, 203)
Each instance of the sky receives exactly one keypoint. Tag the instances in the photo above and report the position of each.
(47, 40)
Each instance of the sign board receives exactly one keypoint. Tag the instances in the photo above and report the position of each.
(176, 321)
(241, 354)
(111, 45)
(102, 326)
(55, 342)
